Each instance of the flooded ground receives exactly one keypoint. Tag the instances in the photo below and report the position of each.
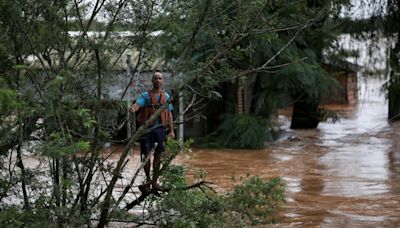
(343, 174)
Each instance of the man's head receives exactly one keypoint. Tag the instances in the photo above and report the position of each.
(158, 80)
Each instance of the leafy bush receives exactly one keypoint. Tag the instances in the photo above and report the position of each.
(252, 202)
(241, 131)
(256, 200)
(15, 217)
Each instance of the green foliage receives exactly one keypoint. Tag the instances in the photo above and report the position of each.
(39, 216)
(14, 217)
(209, 47)
(57, 147)
(303, 72)
(241, 131)
(186, 208)
(123, 215)
(252, 202)
(8, 101)
(256, 200)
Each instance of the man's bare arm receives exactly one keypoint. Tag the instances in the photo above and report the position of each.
(135, 107)
(171, 126)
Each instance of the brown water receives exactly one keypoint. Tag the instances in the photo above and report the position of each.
(343, 174)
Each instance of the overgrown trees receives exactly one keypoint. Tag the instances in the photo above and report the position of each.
(277, 53)
(57, 58)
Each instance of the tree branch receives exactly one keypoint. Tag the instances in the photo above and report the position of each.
(284, 47)
(144, 195)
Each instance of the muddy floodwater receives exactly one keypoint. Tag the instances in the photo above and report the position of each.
(343, 174)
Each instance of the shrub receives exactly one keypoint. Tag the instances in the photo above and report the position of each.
(15, 217)
(242, 131)
(252, 202)
(257, 200)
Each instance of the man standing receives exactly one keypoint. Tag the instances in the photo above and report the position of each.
(148, 102)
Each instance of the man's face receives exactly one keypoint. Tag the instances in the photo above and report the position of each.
(158, 80)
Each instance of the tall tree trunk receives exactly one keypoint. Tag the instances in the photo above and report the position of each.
(394, 83)
(20, 164)
(305, 109)
(394, 60)
(305, 113)
(56, 180)
(394, 102)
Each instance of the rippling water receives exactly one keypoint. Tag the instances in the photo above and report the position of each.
(343, 174)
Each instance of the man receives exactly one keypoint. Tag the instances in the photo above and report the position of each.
(148, 102)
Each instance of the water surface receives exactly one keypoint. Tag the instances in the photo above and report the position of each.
(343, 174)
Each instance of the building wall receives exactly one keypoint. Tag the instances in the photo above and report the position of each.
(347, 92)
(352, 88)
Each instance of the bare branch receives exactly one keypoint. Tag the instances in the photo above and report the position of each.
(284, 47)
(195, 91)
(148, 156)
(144, 195)
(190, 104)
(267, 69)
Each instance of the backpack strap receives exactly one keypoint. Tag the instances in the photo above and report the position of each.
(156, 103)
(153, 98)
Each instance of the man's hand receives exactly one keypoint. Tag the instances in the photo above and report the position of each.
(135, 107)
(171, 135)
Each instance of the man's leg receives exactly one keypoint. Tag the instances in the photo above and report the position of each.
(160, 137)
(156, 165)
(147, 170)
(145, 149)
